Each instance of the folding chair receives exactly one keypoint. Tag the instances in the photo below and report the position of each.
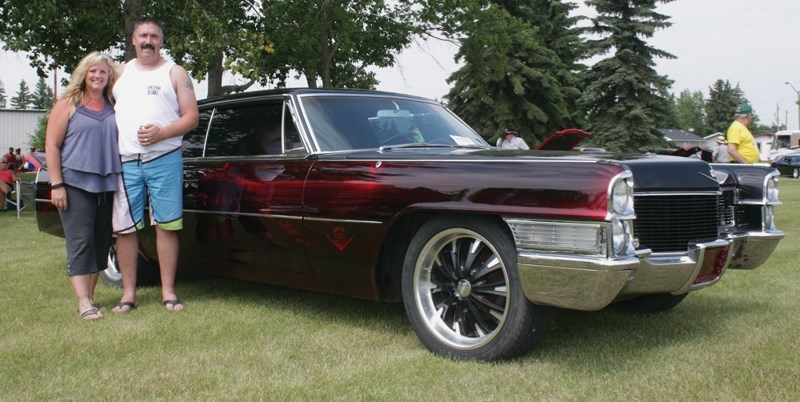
(16, 198)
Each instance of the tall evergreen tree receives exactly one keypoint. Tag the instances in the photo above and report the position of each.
(722, 101)
(560, 33)
(3, 97)
(43, 95)
(509, 77)
(23, 99)
(625, 97)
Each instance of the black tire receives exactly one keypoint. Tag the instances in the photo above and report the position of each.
(652, 303)
(462, 292)
(146, 273)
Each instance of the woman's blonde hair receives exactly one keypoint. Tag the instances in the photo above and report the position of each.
(77, 87)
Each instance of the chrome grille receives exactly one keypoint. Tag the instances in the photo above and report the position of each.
(667, 223)
(727, 213)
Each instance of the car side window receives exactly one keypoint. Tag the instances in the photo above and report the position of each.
(246, 130)
(194, 140)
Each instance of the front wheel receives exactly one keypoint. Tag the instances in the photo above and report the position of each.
(462, 292)
(796, 173)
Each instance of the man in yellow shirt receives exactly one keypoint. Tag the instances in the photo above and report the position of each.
(741, 144)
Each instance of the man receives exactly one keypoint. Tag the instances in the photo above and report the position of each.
(741, 145)
(155, 106)
(9, 157)
(721, 154)
(511, 141)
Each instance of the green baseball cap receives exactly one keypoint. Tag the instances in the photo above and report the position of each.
(744, 108)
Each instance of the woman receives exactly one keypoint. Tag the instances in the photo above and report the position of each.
(7, 182)
(83, 163)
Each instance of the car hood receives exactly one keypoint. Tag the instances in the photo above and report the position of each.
(651, 172)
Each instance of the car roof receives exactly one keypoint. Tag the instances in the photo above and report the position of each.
(302, 91)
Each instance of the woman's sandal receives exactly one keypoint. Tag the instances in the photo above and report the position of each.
(91, 314)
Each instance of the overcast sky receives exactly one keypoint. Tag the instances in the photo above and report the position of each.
(752, 43)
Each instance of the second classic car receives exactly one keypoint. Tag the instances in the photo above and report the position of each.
(393, 198)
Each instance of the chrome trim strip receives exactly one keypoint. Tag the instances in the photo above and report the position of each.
(344, 220)
(276, 216)
(674, 193)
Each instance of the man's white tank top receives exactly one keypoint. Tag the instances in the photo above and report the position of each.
(145, 97)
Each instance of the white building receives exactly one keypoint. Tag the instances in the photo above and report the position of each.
(16, 127)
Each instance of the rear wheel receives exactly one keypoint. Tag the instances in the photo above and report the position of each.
(146, 272)
(796, 173)
(462, 292)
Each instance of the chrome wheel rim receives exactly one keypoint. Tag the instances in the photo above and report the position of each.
(112, 267)
(461, 289)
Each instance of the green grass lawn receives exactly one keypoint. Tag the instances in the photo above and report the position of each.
(735, 341)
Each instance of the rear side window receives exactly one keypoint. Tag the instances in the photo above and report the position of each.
(245, 130)
(255, 129)
(194, 140)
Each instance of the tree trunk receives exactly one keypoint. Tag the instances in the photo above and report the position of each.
(215, 71)
(133, 10)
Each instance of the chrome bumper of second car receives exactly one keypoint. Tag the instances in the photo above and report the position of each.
(588, 283)
(751, 249)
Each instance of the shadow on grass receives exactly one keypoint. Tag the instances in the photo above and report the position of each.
(608, 335)
(323, 307)
(613, 335)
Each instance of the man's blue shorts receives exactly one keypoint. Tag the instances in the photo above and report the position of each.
(159, 181)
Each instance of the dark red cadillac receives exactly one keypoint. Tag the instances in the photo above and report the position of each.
(391, 197)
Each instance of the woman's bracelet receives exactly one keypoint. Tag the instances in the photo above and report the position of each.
(55, 186)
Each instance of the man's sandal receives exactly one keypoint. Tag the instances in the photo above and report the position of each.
(172, 305)
(124, 307)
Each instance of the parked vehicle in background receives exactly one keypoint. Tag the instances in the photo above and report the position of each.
(788, 165)
(784, 142)
(393, 198)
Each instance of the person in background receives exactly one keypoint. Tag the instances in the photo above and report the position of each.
(83, 164)
(9, 157)
(511, 141)
(720, 154)
(20, 160)
(7, 182)
(741, 144)
(156, 105)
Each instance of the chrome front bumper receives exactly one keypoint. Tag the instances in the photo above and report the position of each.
(589, 283)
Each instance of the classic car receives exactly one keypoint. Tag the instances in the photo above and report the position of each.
(391, 197)
(788, 165)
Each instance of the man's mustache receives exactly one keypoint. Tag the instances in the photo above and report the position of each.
(147, 46)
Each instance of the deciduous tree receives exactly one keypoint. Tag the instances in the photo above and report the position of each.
(332, 44)
(690, 112)
(721, 104)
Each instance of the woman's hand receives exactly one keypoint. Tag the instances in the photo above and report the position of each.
(59, 198)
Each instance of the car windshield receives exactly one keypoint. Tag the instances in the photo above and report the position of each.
(341, 123)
